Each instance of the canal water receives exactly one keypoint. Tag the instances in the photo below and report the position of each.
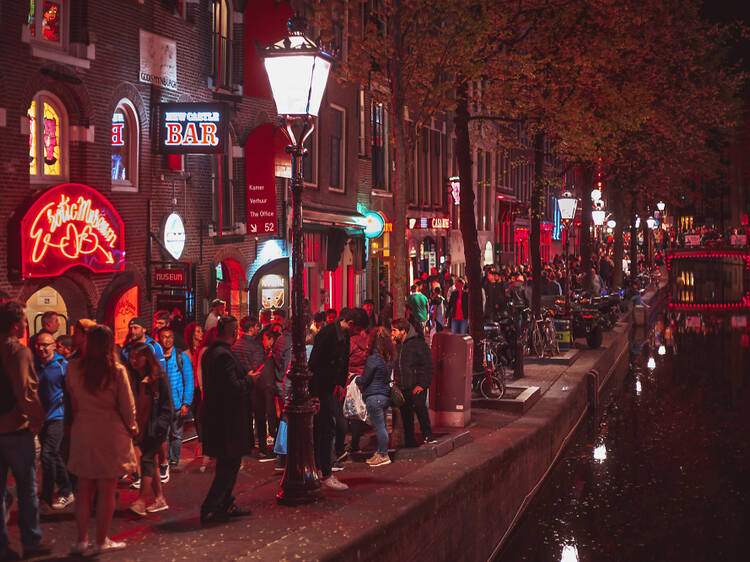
(663, 472)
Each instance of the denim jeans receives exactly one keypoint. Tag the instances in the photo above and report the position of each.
(53, 466)
(459, 326)
(17, 453)
(174, 437)
(377, 404)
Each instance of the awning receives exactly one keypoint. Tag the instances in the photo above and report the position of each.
(352, 222)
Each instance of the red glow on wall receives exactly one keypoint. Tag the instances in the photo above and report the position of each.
(69, 225)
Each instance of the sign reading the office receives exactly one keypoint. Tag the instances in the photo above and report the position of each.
(67, 226)
(174, 235)
(158, 60)
(192, 128)
(260, 190)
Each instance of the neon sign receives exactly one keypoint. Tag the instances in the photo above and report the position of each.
(436, 223)
(192, 128)
(118, 124)
(69, 225)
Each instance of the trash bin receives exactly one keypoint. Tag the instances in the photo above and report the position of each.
(562, 327)
(450, 392)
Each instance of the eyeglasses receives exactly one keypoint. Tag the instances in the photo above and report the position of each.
(46, 344)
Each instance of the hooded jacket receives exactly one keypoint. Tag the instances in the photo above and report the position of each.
(414, 364)
(52, 386)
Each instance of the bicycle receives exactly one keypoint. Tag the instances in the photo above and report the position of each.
(490, 383)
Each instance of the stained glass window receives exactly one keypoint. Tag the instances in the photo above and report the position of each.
(30, 20)
(120, 160)
(45, 20)
(31, 113)
(51, 21)
(45, 137)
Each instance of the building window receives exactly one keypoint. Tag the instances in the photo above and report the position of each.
(480, 190)
(379, 147)
(48, 147)
(221, 39)
(435, 167)
(125, 137)
(223, 191)
(46, 21)
(310, 161)
(362, 140)
(489, 198)
(337, 149)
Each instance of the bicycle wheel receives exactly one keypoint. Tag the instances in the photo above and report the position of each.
(492, 387)
(551, 337)
(537, 344)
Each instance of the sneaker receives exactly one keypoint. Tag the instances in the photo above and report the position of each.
(430, 439)
(379, 460)
(138, 507)
(79, 548)
(157, 506)
(280, 464)
(342, 456)
(63, 502)
(337, 467)
(136, 485)
(164, 472)
(173, 464)
(45, 508)
(266, 457)
(333, 483)
(108, 545)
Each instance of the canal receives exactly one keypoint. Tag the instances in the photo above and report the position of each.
(663, 471)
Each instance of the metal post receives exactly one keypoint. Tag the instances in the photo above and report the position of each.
(300, 483)
(567, 271)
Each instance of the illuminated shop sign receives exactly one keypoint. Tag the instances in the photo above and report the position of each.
(174, 235)
(455, 185)
(69, 225)
(374, 224)
(192, 128)
(118, 123)
(436, 223)
(170, 277)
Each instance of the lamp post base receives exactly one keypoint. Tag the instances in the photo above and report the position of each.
(300, 484)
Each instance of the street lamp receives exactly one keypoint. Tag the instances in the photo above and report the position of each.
(298, 73)
(661, 206)
(652, 223)
(567, 205)
(598, 216)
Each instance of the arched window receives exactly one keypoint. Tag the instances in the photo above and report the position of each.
(48, 138)
(221, 43)
(223, 190)
(125, 139)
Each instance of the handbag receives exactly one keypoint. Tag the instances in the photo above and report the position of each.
(397, 397)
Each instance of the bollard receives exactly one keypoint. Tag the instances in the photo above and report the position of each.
(450, 392)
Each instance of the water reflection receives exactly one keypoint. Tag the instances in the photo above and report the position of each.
(664, 473)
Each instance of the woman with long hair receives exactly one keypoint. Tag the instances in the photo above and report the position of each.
(154, 411)
(376, 389)
(101, 441)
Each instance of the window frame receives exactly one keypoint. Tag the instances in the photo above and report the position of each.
(312, 157)
(62, 44)
(220, 71)
(133, 148)
(228, 185)
(379, 157)
(342, 150)
(63, 142)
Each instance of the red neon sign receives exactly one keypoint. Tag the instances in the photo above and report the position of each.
(69, 225)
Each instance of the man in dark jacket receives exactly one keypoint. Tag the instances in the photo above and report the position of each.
(495, 293)
(329, 364)
(227, 388)
(414, 370)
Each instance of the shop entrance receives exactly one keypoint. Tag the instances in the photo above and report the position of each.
(122, 308)
(231, 287)
(44, 300)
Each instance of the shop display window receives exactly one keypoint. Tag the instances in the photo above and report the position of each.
(47, 138)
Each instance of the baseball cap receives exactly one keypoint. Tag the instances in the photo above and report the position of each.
(217, 302)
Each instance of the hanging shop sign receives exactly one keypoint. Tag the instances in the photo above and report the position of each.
(158, 60)
(192, 128)
(260, 194)
(437, 223)
(272, 291)
(455, 185)
(69, 225)
(170, 277)
(374, 224)
(174, 235)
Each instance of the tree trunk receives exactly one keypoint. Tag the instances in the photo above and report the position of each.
(585, 243)
(633, 240)
(619, 249)
(468, 216)
(535, 235)
(400, 189)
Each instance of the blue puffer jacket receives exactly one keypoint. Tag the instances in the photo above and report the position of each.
(52, 386)
(376, 378)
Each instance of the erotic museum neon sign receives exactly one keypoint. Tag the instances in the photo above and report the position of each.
(69, 225)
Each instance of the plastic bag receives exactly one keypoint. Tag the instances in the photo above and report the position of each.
(279, 446)
(354, 405)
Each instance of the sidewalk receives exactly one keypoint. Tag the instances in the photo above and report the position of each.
(456, 506)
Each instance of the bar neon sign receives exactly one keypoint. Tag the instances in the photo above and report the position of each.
(192, 128)
(69, 225)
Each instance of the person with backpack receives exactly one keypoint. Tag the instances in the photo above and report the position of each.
(21, 417)
(154, 411)
(437, 310)
(180, 375)
(50, 368)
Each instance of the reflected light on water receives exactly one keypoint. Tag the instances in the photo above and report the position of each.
(600, 455)
(662, 350)
(569, 553)
(651, 363)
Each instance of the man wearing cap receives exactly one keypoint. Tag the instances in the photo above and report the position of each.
(137, 328)
(218, 309)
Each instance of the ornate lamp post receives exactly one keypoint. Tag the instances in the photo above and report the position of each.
(567, 205)
(298, 73)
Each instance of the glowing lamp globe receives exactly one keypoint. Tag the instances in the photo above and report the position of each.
(598, 217)
(611, 223)
(652, 223)
(596, 195)
(660, 205)
(297, 71)
(567, 205)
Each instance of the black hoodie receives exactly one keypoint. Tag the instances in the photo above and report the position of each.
(414, 365)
